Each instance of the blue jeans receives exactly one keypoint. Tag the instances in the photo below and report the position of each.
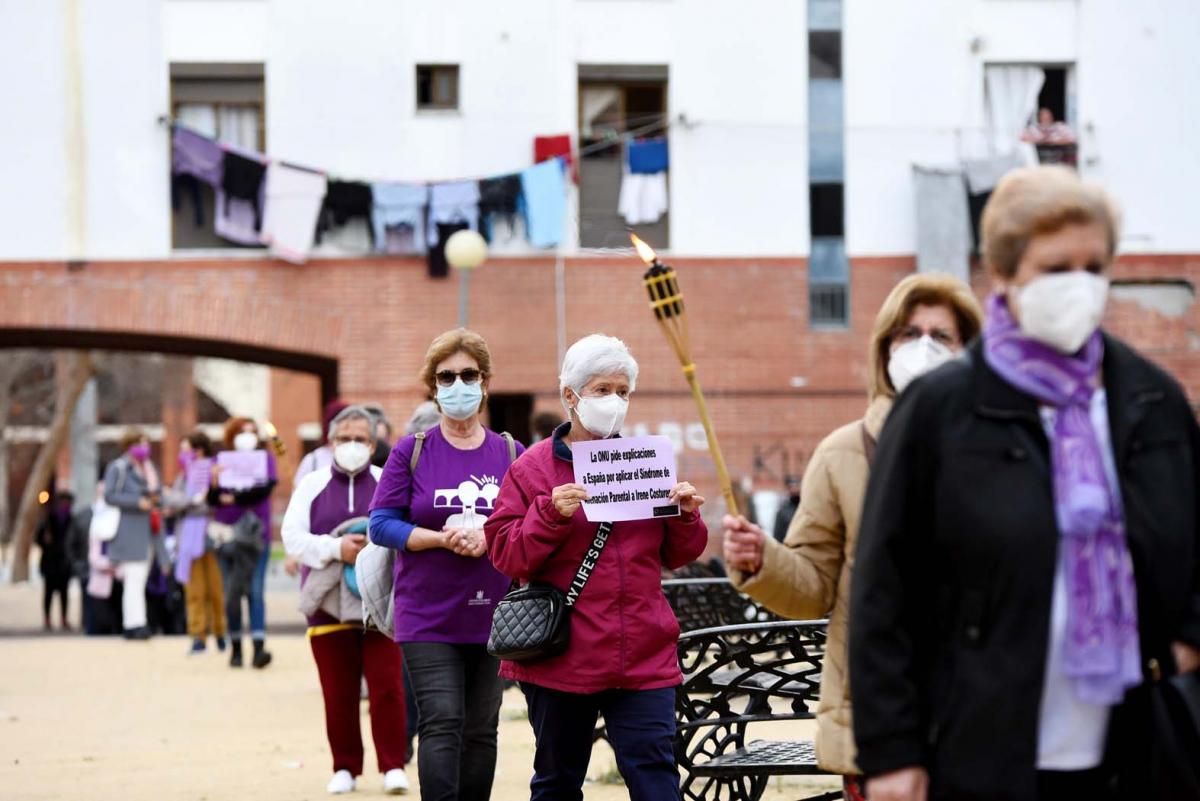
(458, 692)
(258, 609)
(641, 728)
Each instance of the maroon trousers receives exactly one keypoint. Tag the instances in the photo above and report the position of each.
(343, 657)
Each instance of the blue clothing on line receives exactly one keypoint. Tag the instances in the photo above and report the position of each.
(544, 191)
(648, 156)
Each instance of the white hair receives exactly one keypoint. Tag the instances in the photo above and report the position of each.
(424, 417)
(356, 412)
(595, 354)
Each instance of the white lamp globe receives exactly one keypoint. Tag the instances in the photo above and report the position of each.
(465, 249)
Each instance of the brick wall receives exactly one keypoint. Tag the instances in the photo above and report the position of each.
(773, 385)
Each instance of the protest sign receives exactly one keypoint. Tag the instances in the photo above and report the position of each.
(241, 469)
(626, 479)
(199, 476)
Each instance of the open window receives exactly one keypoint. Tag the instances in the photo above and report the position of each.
(224, 102)
(617, 105)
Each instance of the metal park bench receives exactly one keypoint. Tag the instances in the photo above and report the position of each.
(739, 676)
(705, 603)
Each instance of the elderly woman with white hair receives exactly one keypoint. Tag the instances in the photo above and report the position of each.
(621, 659)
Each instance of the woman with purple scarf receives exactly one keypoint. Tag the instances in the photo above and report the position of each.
(1030, 548)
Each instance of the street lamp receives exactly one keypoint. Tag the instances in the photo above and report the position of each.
(465, 250)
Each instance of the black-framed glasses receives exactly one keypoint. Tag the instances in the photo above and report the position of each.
(445, 378)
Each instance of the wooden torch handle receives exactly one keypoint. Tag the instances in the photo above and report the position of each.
(714, 447)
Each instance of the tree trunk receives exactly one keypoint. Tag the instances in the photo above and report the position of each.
(66, 396)
(12, 366)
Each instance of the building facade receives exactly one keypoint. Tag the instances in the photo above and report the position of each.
(793, 127)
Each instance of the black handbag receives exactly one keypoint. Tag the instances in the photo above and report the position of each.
(1175, 715)
(534, 621)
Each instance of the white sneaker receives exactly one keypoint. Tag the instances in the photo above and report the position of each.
(395, 782)
(342, 782)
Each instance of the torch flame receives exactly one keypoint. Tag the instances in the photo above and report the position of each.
(646, 252)
(269, 429)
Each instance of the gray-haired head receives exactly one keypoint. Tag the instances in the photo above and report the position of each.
(424, 417)
(595, 354)
(355, 412)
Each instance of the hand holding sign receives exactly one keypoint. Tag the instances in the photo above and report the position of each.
(626, 479)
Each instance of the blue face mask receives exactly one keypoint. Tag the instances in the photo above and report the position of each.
(459, 401)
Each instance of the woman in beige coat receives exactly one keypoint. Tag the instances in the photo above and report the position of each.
(925, 320)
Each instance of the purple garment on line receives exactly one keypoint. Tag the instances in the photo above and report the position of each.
(230, 514)
(196, 155)
(191, 534)
(1101, 652)
(441, 596)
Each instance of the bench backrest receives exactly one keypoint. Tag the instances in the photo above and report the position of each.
(735, 677)
(704, 603)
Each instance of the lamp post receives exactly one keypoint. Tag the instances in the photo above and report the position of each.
(465, 250)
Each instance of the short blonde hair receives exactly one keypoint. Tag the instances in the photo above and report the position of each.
(458, 340)
(922, 289)
(1040, 200)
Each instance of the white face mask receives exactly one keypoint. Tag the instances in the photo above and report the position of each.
(352, 456)
(602, 416)
(1061, 309)
(913, 359)
(245, 441)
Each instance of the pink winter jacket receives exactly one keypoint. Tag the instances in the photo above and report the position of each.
(623, 632)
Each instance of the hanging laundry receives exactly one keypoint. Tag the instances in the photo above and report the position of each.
(499, 200)
(647, 156)
(943, 222)
(549, 147)
(345, 201)
(194, 159)
(197, 156)
(398, 217)
(240, 198)
(438, 266)
(982, 175)
(643, 198)
(544, 188)
(294, 198)
(456, 201)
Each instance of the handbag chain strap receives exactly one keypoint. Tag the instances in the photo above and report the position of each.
(589, 562)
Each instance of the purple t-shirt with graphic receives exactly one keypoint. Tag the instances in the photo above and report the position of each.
(441, 596)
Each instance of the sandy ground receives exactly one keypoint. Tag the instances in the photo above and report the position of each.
(99, 718)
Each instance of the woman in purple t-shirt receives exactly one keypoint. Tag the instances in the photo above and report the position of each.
(433, 497)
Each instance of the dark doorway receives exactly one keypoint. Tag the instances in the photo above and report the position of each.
(1054, 92)
(511, 413)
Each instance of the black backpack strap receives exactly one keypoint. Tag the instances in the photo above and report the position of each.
(512, 446)
(589, 563)
(420, 443)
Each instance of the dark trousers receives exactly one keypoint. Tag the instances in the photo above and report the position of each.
(641, 728)
(1085, 785)
(343, 657)
(55, 584)
(458, 691)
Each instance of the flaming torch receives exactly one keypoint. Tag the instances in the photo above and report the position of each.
(667, 303)
(272, 435)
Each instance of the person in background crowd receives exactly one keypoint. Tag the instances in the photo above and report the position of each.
(131, 484)
(54, 564)
(424, 417)
(241, 433)
(445, 588)
(196, 567)
(787, 510)
(321, 507)
(924, 322)
(105, 590)
(539, 533)
(77, 558)
(1030, 548)
(543, 425)
(383, 434)
(322, 456)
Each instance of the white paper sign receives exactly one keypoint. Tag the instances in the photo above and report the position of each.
(626, 478)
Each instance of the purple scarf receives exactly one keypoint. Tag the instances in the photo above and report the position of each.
(1101, 655)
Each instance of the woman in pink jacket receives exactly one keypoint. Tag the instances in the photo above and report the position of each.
(621, 661)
